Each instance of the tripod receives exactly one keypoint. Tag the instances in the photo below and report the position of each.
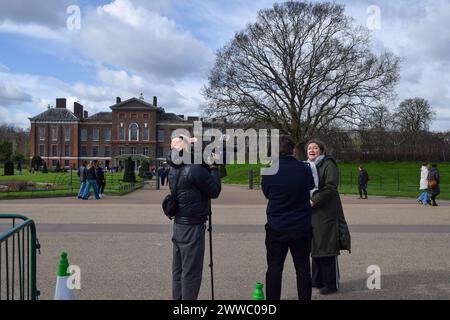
(211, 265)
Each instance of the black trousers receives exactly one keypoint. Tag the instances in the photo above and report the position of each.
(277, 245)
(325, 273)
(361, 190)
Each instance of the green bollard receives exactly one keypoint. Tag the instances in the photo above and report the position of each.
(258, 294)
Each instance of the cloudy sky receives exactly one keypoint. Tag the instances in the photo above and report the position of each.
(166, 48)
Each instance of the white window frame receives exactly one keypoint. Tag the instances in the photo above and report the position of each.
(54, 134)
(67, 134)
(108, 136)
(41, 134)
(81, 134)
(94, 130)
(129, 131)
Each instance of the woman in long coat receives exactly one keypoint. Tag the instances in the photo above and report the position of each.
(433, 184)
(330, 230)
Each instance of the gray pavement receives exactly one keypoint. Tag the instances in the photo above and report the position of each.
(123, 246)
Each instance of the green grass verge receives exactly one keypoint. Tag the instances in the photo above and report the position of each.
(66, 185)
(392, 179)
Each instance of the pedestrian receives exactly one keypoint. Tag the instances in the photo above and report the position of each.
(101, 180)
(91, 181)
(363, 179)
(423, 184)
(162, 175)
(330, 230)
(193, 186)
(434, 180)
(288, 221)
(82, 173)
(166, 172)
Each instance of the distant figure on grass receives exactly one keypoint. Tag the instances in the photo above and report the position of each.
(101, 181)
(91, 181)
(82, 173)
(433, 184)
(363, 179)
(288, 225)
(330, 230)
(423, 198)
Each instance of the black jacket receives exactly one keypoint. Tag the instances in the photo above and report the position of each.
(196, 187)
(91, 175)
(289, 208)
(363, 178)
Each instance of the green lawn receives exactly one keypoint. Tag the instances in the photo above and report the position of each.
(65, 184)
(396, 179)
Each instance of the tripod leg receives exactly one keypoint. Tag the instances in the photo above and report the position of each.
(211, 265)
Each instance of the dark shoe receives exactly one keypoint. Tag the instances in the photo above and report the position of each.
(85, 198)
(435, 204)
(326, 291)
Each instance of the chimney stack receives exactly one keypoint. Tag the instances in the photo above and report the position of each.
(86, 115)
(61, 103)
(78, 110)
(118, 100)
(155, 101)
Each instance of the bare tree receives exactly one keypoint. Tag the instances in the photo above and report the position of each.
(414, 115)
(300, 67)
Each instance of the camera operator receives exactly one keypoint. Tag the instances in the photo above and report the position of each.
(196, 185)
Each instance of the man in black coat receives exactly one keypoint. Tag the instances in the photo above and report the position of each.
(288, 221)
(196, 185)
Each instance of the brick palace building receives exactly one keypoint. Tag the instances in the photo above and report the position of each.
(133, 128)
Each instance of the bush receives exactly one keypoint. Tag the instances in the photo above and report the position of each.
(58, 167)
(144, 168)
(129, 175)
(45, 169)
(36, 162)
(9, 168)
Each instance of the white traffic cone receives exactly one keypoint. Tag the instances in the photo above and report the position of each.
(62, 291)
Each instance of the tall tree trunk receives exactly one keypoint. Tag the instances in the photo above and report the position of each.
(300, 152)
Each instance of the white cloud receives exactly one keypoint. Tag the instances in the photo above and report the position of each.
(10, 115)
(32, 30)
(134, 38)
(11, 93)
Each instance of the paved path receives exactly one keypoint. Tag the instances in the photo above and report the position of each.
(122, 245)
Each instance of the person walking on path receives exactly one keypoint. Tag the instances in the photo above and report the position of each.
(162, 175)
(363, 179)
(91, 181)
(82, 173)
(330, 230)
(101, 180)
(423, 184)
(434, 180)
(288, 225)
